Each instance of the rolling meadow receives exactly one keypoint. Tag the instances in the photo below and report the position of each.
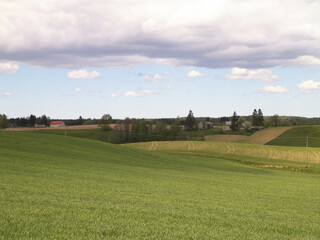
(57, 187)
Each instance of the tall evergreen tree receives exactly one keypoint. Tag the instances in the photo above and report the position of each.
(80, 121)
(260, 118)
(254, 119)
(32, 120)
(190, 121)
(234, 122)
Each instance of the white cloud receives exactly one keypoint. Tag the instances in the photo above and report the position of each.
(194, 74)
(275, 89)
(96, 90)
(309, 85)
(8, 94)
(83, 73)
(8, 68)
(264, 75)
(138, 93)
(157, 78)
(166, 88)
(113, 95)
(80, 90)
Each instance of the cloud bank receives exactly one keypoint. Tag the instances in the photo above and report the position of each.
(214, 34)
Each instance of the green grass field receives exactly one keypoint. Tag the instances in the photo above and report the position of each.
(297, 136)
(56, 187)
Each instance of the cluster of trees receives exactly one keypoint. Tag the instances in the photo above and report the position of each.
(257, 119)
(141, 130)
(30, 121)
(105, 122)
(237, 122)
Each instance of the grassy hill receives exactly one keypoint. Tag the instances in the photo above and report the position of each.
(297, 136)
(56, 187)
(260, 137)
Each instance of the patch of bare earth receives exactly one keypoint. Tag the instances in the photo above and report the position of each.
(53, 128)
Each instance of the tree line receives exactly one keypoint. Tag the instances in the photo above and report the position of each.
(141, 130)
(30, 121)
(254, 121)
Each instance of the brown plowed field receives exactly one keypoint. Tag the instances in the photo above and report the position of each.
(260, 137)
(52, 128)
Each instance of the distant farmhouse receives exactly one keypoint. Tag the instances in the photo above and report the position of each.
(227, 126)
(40, 126)
(57, 124)
(242, 126)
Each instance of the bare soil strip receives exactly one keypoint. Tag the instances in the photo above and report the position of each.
(260, 137)
(23, 129)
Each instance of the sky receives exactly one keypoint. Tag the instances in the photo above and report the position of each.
(159, 58)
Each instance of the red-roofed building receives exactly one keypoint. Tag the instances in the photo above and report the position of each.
(57, 124)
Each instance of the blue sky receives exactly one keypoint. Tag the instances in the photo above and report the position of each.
(153, 59)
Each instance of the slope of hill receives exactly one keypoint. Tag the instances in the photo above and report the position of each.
(265, 135)
(296, 158)
(297, 136)
(56, 187)
(260, 137)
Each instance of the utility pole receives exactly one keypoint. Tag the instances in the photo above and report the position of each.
(307, 144)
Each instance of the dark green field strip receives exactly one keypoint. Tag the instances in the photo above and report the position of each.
(94, 134)
(298, 137)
